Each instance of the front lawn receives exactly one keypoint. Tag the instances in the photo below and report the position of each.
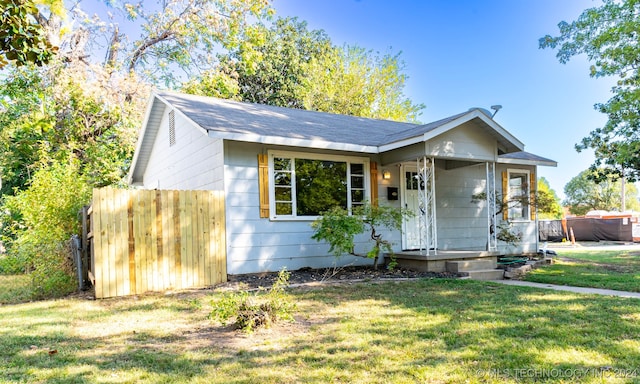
(619, 270)
(395, 332)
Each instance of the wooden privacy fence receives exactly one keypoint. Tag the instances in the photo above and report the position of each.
(150, 240)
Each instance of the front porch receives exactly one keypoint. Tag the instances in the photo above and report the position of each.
(480, 265)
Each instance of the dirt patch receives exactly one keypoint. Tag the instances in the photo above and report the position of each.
(308, 276)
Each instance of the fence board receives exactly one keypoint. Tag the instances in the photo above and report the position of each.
(156, 240)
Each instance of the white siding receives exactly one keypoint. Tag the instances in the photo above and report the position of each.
(465, 142)
(257, 244)
(195, 161)
(461, 223)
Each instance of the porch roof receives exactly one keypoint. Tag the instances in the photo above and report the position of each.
(526, 158)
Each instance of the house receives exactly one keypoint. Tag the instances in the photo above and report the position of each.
(280, 168)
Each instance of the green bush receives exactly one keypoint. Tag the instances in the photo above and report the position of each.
(250, 311)
(12, 265)
(49, 216)
(339, 228)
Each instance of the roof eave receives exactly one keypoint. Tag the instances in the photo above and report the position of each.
(293, 142)
(141, 136)
(545, 163)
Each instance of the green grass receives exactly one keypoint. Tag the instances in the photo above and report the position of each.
(619, 270)
(437, 331)
(14, 289)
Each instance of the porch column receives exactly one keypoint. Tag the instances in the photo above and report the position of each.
(492, 241)
(427, 204)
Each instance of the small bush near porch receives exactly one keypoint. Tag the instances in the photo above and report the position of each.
(419, 331)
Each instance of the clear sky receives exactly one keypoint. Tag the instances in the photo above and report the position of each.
(460, 54)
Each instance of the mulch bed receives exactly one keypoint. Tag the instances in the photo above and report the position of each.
(330, 275)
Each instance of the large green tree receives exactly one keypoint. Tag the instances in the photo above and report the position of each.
(608, 35)
(23, 37)
(72, 123)
(583, 194)
(289, 65)
(269, 66)
(354, 81)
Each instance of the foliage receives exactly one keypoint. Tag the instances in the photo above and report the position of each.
(508, 234)
(23, 39)
(288, 65)
(251, 311)
(608, 36)
(174, 35)
(583, 194)
(48, 209)
(57, 113)
(269, 67)
(543, 200)
(339, 228)
(358, 82)
(547, 201)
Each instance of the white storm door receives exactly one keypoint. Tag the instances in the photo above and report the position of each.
(410, 200)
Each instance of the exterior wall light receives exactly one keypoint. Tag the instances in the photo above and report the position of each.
(386, 175)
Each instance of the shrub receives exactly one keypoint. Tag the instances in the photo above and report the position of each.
(48, 209)
(249, 311)
(338, 227)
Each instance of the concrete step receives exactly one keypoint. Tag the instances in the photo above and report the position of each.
(471, 265)
(487, 274)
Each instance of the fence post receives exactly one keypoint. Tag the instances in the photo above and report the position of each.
(84, 244)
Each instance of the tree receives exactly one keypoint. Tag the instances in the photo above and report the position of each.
(609, 35)
(23, 39)
(354, 81)
(57, 112)
(288, 65)
(269, 66)
(185, 32)
(72, 123)
(544, 200)
(583, 194)
(547, 198)
(339, 228)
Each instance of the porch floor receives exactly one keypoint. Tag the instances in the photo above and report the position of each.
(420, 261)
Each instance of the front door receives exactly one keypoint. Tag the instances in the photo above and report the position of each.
(410, 200)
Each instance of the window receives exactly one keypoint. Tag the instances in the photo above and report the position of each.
(518, 195)
(304, 185)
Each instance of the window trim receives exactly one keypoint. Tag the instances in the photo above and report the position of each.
(526, 217)
(314, 156)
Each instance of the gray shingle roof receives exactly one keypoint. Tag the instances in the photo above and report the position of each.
(233, 120)
(523, 157)
(232, 117)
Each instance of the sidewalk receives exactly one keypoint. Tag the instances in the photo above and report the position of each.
(595, 291)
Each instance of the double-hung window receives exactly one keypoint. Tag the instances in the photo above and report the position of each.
(303, 185)
(518, 194)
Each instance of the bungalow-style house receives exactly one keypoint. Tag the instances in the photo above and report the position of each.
(281, 168)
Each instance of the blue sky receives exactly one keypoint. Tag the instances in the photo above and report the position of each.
(477, 53)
